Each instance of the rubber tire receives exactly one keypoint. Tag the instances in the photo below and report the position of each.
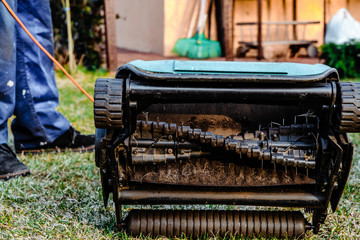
(350, 107)
(312, 51)
(108, 103)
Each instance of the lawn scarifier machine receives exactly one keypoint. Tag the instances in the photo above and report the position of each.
(201, 132)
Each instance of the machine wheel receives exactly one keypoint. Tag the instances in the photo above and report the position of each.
(312, 51)
(108, 104)
(241, 51)
(350, 107)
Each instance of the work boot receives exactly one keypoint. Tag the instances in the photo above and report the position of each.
(71, 140)
(10, 166)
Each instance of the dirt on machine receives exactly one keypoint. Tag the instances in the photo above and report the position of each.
(232, 133)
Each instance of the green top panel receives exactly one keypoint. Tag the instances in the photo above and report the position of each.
(217, 67)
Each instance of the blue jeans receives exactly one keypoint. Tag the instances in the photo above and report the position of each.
(27, 82)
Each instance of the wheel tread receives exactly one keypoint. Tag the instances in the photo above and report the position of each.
(350, 107)
(108, 104)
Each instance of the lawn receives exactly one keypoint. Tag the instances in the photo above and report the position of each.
(62, 198)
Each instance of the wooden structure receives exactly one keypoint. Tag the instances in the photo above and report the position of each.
(111, 48)
(294, 42)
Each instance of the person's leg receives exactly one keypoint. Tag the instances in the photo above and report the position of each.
(10, 166)
(37, 122)
(38, 126)
(7, 69)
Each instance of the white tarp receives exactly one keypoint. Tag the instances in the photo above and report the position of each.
(342, 28)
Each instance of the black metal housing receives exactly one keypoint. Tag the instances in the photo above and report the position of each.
(237, 139)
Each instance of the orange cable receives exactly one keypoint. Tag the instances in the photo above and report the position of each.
(45, 51)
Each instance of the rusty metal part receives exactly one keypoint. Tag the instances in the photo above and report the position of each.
(203, 172)
(350, 107)
(221, 118)
(295, 150)
(216, 123)
(175, 223)
(108, 109)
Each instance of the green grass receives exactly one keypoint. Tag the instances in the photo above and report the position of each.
(62, 198)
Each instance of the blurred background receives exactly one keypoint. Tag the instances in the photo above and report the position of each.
(109, 33)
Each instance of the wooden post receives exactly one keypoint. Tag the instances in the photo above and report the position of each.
(259, 38)
(111, 48)
(72, 63)
(219, 24)
(324, 31)
(228, 21)
(295, 19)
